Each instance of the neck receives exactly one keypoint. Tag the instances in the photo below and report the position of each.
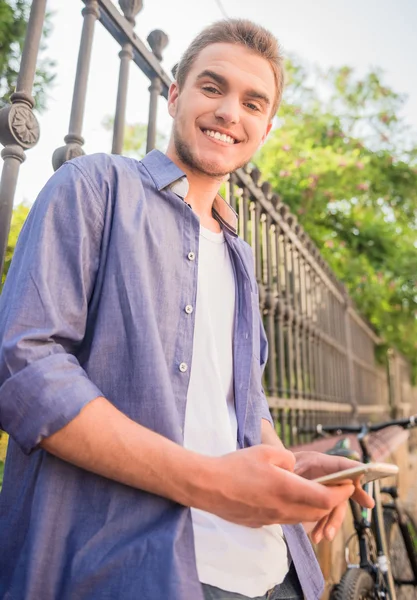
(202, 192)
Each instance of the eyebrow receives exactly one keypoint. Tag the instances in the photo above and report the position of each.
(223, 81)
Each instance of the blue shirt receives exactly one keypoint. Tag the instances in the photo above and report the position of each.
(94, 305)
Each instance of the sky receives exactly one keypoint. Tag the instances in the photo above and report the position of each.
(360, 33)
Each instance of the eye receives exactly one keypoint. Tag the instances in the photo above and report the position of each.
(210, 89)
(252, 107)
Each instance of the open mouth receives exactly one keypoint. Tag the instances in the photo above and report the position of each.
(221, 137)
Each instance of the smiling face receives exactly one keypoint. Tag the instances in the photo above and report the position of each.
(223, 111)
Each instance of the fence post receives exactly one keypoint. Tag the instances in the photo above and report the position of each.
(157, 40)
(349, 359)
(130, 10)
(19, 129)
(74, 140)
(391, 375)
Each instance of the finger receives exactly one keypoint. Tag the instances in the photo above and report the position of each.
(319, 515)
(330, 525)
(331, 464)
(362, 497)
(335, 521)
(347, 463)
(336, 494)
(301, 491)
(318, 531)
(292, 515)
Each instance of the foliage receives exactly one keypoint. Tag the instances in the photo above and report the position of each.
(14, 15)
(134, 140)
(3, 448)
(346, 164)
(20, 213)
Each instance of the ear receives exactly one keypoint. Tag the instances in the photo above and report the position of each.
(173, 98)
(268, 129)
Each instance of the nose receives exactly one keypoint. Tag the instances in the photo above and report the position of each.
(228, 109)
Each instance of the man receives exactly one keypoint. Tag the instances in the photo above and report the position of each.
(130, 372)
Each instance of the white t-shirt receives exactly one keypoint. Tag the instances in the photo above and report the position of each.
(232, 557)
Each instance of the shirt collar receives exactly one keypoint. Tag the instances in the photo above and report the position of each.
(166, 174)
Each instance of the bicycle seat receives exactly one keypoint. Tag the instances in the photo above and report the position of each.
(342, 448)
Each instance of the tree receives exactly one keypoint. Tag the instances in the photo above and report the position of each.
(20, 213)
(346, 164)
(134, 140)
(14, 15)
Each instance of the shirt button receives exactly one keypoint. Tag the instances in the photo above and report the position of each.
(191, 256)
(189, 309)
(183, 367)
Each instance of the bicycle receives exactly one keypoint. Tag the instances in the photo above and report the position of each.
(386, 534)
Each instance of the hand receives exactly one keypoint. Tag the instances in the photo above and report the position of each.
(257, 486)
(316, 464)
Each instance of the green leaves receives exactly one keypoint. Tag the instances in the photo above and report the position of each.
(14, 15)
(134, 139)
(346, 164)
(20, 213)
(3, 449)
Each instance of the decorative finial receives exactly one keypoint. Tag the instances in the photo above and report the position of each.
(158, 41)
(255, 175)
(130, 9)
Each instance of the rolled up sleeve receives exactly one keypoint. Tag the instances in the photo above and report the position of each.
(43, 310)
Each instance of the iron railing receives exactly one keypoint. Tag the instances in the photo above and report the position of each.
(321, 364)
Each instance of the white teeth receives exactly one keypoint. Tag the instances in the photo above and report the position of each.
(219, 136)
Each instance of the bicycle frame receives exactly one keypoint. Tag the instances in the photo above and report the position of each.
(363, 520)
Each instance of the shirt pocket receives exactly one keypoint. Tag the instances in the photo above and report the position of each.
(256, 334)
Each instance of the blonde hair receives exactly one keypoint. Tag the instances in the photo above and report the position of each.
(255, 38)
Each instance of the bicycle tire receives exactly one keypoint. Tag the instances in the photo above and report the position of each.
(398, 556)
(356, 584)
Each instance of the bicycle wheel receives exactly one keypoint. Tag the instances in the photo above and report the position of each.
(356, 584)
(398, 555)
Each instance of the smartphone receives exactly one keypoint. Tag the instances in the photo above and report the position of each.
(364, 472)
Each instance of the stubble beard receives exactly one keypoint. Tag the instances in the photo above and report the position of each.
(186, 156)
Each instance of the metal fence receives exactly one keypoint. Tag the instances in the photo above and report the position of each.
(321, 365)
(322, 353)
